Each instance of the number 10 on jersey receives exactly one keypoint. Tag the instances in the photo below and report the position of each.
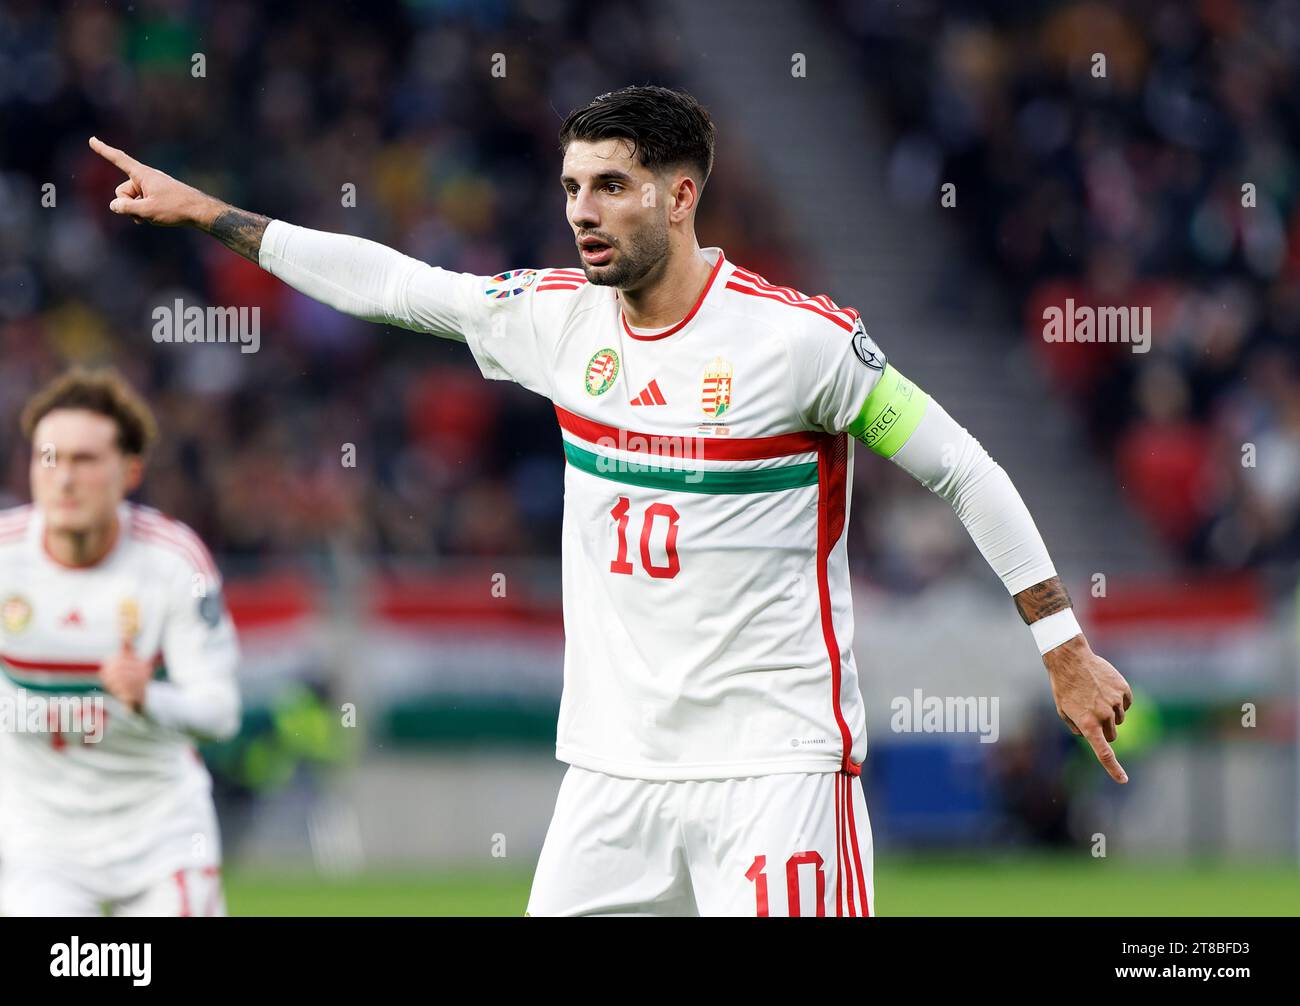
(623, 515)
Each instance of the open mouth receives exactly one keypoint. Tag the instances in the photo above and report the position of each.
(594, 251)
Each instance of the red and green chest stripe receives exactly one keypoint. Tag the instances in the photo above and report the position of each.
(690, 463)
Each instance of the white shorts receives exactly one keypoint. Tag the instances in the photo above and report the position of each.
(771, 845)
(29, 889)
(177, 873)
(161, 859)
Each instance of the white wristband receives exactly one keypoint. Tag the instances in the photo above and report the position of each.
(1055, 629)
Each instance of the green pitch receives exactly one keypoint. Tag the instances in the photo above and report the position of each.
(1069, 886)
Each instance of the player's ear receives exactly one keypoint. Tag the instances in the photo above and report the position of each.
(134, 473)
(685, 195)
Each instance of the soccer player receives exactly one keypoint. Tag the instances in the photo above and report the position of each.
(711, 715)
(116, 652)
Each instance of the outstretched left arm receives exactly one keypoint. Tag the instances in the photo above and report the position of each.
(904, 424)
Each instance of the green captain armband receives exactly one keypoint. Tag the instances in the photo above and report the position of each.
(890, 413)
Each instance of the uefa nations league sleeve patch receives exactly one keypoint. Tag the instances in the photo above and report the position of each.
(867, 351)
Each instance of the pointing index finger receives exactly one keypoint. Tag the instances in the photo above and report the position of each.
(1104, 754)
(120, 158)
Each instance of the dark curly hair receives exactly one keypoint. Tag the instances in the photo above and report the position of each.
(667, 128)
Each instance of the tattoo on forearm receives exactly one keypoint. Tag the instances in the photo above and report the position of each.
(240, 231)
(1042, 599)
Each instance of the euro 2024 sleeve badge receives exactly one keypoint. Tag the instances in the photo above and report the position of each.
(509, 284)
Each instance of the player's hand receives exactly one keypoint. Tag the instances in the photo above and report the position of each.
(153, 196)
(125, 676)
(1091, 697)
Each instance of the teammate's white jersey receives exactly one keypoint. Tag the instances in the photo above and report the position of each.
(707, 609)
(95, 785)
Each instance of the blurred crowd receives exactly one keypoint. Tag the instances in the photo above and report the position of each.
(1122, 189)
(451, 163)
(341, 437)
(1166, 176)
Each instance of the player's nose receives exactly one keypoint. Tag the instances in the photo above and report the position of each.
(582, 212)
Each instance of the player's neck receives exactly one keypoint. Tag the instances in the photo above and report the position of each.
(81, 548)
(670, 298)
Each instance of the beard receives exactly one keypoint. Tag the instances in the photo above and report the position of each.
(644, 250)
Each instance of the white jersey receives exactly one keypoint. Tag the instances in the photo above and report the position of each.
(84, 779)
(707, 607)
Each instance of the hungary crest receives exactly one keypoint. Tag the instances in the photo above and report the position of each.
(602, 370)
(15, 614)
(715, 396)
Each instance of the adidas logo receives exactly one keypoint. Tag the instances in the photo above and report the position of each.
(650, 396)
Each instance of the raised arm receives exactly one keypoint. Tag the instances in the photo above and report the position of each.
(201, 653)
(358, 277)
(152, 196)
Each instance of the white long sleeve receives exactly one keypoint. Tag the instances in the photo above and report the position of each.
(200, 650)
(210, 709)
(497, 316)
(366, 279)
(946, 459)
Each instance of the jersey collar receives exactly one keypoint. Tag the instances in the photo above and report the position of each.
(708, 288)
(120, 533)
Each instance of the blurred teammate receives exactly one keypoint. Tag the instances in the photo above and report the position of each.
(116, 652)
(711, 715)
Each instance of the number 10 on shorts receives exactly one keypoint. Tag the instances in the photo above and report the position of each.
(810, 860)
